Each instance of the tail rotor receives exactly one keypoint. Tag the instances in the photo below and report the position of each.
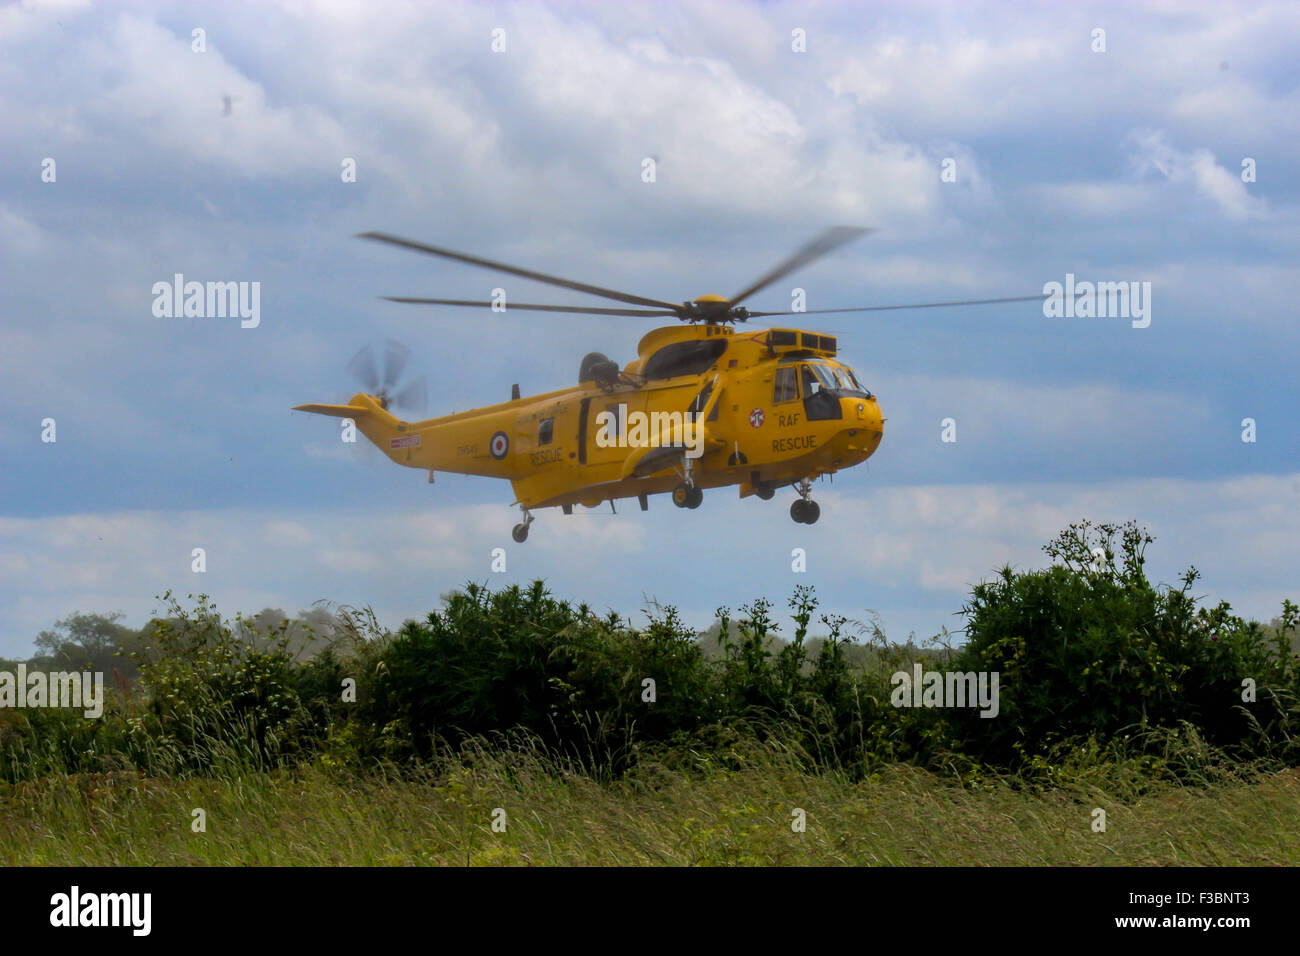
(388, 385)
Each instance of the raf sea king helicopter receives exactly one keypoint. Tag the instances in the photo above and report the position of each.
(701, 406)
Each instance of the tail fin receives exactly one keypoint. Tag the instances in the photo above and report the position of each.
(384, 429)
(359, 406)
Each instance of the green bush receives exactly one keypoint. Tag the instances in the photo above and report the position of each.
(1096, 666)
(1088, 648)
(520, 659)
(212, 697)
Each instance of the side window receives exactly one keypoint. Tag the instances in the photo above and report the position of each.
(786, 388)
(810, 384)
(546, 431)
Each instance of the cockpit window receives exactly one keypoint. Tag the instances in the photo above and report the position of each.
(853, 381)
(816, 377)
(829, 376)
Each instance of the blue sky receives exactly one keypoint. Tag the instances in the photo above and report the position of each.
(177, 433)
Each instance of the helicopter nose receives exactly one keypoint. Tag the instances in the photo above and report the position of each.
(864, 421)
(864, 411)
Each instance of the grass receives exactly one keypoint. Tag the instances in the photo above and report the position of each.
(658, 816)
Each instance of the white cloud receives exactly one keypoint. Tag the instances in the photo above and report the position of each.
(1197, 168)
(1095, 200)
(1037, 415)
(945, 78)
(175, 98)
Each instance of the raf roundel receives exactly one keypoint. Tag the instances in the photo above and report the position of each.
(756, 418)
(499, 445)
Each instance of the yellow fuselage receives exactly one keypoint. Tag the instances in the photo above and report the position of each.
(760, 420)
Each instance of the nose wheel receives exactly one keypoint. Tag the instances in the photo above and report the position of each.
(687, 496)
(805, 510)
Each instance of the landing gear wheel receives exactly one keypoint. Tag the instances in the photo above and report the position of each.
(520, 531)
(694, 497)
(682, 496)
(805, 510)
(765, 491)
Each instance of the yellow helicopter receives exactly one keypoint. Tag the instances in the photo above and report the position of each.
(702, 405)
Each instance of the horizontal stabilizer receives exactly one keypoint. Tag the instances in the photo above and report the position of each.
(335, 411)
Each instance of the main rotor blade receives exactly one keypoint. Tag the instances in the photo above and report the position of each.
(522, 273)
(571, 309)
(917, 305)
(828, 241)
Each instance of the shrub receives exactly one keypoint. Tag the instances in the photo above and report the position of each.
(1096, 665)
(1089, 648)
(212, 697)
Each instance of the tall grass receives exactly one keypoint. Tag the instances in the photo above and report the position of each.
(733, 810)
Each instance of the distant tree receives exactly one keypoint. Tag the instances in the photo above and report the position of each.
(304, 636)
(95, 642)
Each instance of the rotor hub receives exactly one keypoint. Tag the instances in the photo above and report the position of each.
(713, 309)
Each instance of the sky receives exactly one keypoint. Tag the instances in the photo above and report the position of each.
(1163, 150)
